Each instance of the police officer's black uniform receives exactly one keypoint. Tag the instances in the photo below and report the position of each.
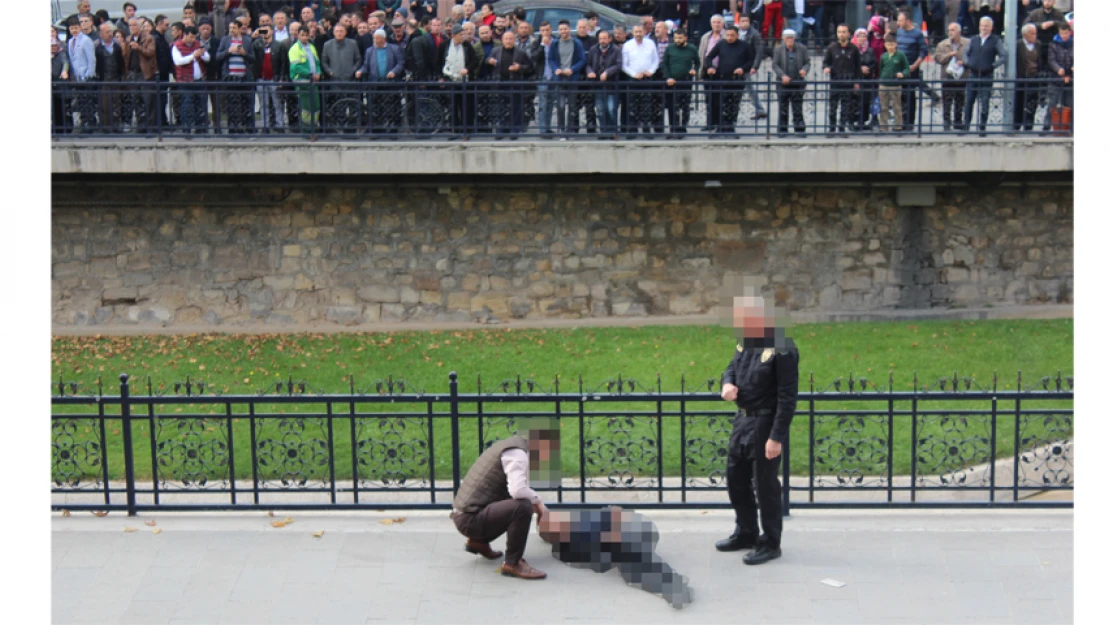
(767, 381)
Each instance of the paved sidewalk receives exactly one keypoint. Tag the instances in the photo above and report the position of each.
(936, 567)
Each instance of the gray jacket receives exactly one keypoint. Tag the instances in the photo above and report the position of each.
(341, 59)
(782, 67)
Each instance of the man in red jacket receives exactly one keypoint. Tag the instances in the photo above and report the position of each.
(190, 59)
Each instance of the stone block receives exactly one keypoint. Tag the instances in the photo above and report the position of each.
(380, 294)
(431, 297)
(458, 301)
(345, 315)
(629, 309)
(854, 280)
(497, 303)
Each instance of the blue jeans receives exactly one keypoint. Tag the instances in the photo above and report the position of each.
(606, 102)
(978, 91)
(547, 96)
(795, 24)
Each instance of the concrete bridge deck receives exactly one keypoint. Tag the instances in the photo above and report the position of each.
(874, 156)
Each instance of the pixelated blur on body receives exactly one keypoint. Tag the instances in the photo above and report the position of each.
(612, 537)
(762, 380)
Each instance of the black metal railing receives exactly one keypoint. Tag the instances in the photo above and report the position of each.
(853, 443)
(722, 109)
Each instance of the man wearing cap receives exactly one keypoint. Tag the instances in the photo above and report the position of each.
(790, 62)
(383, 66)
(459, 62)
(397, 35)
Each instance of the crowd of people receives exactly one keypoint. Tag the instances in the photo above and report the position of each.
(392, 66)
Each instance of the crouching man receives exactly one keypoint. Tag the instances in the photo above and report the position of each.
(495, 497)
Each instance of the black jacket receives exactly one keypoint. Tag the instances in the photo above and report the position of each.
(102, 63)
(165, 57)
(599, 62)
(420, 59)
(767, 379)
(505, 60)
(275, 54)
(732, 56)
(844, 63)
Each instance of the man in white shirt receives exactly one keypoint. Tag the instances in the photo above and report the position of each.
(281, 31)
(640, 59)
(496, 498)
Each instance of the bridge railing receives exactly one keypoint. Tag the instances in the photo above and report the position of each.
(854, 442)
(757, 107)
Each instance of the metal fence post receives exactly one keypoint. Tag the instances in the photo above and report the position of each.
(457, 479)
(128, 447)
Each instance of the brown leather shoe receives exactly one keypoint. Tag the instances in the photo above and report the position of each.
(482, 549)
(522, 570)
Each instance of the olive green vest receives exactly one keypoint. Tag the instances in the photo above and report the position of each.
(486, 481)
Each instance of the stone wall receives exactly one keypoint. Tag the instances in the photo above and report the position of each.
(356, 255)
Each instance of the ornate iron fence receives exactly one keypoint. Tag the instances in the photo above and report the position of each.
(718, 109)
(854, 443)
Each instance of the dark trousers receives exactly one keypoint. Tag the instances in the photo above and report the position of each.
(979, 92)
(841, 100)
(790, 102)
(740, 471)
(462, 107)
(864, 97)
(954, 96)
(60, 107)
(239, 101)
(625, 103)
(1026, 99)
(86, 105)
(584, 99)
(657, 105)
(193, 109)
(731, 90)
(163, 98)
(384, 107)
(512, 517)
(111, 106)
(507, 110)
(678, 106)
(712, 105)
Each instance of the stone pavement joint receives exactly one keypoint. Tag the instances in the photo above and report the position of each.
(900, 566)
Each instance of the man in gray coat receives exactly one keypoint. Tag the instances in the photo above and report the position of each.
(791, 64)
(340, 60)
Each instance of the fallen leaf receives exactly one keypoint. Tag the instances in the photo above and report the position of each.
(386, 521)
(100, 512)
(65, 512)
(270, 513)
(277, 523)
(130, 529)
(399, 519)
(705, 512)
(151, 522)
(318, 534)
(288, 520)
(156, 530)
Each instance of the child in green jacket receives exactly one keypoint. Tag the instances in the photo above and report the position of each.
(893, 67)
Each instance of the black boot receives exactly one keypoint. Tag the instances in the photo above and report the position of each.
(736, 542)
(762, 554)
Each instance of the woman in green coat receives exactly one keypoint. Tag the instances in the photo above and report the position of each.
(304, 69)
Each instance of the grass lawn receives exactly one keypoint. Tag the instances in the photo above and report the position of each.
(248, 364)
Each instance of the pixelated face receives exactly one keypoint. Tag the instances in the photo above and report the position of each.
(603, 38)
(660, 31)
(716, 24)
(583, 27)
(564, 31)
(954, 31)
(842, 34)
(752, 316)
(544, 466)
(985, 27)
(731, 35)
(280, 20)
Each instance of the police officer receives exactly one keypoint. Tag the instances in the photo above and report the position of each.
(762, 378)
